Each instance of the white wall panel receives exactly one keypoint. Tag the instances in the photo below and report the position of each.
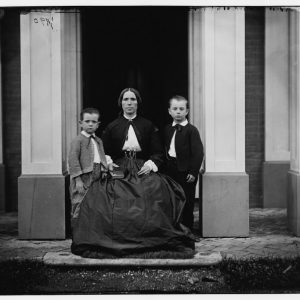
(222, 88)
(50, 88)
(277, 116)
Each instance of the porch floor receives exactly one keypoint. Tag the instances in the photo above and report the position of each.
(269, 237)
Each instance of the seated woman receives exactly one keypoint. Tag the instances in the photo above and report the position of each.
(140, 209)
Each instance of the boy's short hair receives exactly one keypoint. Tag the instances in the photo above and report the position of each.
(89, 110)
(179, 98)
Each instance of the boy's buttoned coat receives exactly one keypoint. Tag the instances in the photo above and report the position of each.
(189, 156)
(188, 147)
(81, 163)
(81, 155)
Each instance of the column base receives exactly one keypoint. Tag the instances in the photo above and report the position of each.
(41, 207)
(225, 205)
(275, 184)
(293, 203)
(2, 187)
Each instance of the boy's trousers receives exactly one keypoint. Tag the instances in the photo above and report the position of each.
(189, 190)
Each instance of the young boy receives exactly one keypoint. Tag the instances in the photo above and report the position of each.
(86, 161)
(184, 153)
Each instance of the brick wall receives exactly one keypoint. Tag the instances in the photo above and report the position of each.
(11, 95)
(255, 27)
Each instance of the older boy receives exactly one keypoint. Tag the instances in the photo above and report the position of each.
(86, 161)
(184, 153)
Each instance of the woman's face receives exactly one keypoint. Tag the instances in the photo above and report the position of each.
(129, 103)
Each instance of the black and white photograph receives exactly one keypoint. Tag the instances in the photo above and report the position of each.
(149, 148)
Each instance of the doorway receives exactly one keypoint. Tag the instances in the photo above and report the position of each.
(141, 47)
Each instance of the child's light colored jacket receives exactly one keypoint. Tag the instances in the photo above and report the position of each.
(81, 155)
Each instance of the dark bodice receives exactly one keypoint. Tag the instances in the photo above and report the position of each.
(147, 135)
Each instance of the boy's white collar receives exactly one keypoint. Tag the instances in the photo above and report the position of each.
(183, 123)
(87, 134)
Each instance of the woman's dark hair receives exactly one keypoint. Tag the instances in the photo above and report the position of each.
(137, 95)
(89, 110)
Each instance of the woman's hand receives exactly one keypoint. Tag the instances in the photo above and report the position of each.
(144, 170)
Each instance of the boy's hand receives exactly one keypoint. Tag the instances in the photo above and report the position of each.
(80, 186)
(111, 166)
(190, 178)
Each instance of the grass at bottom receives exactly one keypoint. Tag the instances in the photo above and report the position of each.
(264, 275)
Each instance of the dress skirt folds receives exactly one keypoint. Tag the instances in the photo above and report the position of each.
(130, 214)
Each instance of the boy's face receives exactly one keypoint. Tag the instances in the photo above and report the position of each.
(178, 110)
(90, 123)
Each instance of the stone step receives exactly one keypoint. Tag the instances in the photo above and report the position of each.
(69, 259)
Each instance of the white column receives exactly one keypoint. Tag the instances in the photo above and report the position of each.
(277, 148)
(196, 105)
(50, 66)
(293, 205)
(217, 91)
(71, 80)
(195, 70)
(2, 169)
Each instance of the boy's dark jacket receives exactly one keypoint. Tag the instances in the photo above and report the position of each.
(188, 147)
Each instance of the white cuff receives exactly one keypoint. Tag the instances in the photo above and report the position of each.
(152, 165)
(108, 159)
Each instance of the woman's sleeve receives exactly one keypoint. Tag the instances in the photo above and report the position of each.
(106, 140)
(156, 154)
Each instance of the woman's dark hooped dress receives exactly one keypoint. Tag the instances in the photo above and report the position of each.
(134, 213)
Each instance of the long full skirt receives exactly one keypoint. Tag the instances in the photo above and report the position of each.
(131, 214)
